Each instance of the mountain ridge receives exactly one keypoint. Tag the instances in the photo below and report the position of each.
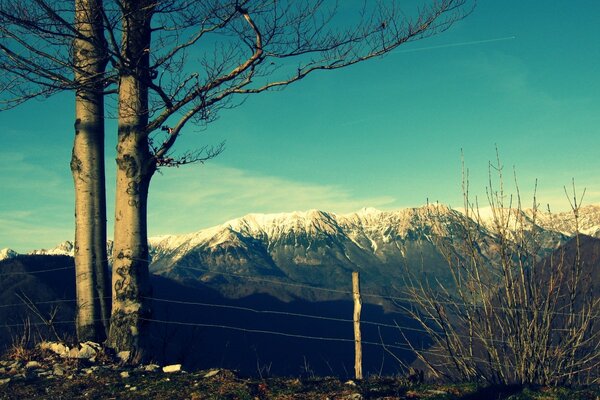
(315, 221)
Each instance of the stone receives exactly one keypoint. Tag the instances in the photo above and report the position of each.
(124, 374)
(172, 368)
(4, 381)
(350, 383)
(72, 353)
(32, 365)
(151, 367)
(124, 356)
(56, 347)
(58, 371)
(212, 373)
(88, 350)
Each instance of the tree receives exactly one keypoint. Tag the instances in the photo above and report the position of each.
(48, 47)
(243, 47)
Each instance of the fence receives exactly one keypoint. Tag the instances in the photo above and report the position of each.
(353, 323)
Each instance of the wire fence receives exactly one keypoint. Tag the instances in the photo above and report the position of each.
(395, 325)
(403, 299)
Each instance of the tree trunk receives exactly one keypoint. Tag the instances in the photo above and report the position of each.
(130, 278)
(135, 167)
(87, 166)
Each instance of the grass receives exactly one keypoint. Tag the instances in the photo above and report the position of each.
(107, 383)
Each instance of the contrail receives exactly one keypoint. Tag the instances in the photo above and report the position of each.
(443, 46)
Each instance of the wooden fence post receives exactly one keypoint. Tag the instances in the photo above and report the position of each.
(357, 339)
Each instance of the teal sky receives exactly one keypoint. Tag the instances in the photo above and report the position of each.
(520, 75)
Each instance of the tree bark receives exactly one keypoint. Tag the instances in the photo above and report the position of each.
(135, 167)
(87, 167)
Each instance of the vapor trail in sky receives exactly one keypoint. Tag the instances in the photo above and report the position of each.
(469, 43)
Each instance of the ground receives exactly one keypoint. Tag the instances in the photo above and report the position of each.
(42, 374)
(128, 383)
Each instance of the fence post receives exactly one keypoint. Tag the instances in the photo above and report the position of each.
(357, 339)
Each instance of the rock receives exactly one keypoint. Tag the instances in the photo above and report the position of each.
(133, 388)
(58, 371)
(212, 373)
(56, 347)
(350, 383)
(172, 368)
(124, 356)
(151, 367)
(4, 381)
(72, 353)
(32, 365)
(89, 350)
(86, 350)
(124, 374)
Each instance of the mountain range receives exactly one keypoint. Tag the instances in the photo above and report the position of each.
(316, 251)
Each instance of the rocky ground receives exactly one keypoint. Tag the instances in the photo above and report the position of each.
(55, 371)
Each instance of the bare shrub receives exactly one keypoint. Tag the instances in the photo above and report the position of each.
(516, 314)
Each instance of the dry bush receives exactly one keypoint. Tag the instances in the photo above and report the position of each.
(513, 315)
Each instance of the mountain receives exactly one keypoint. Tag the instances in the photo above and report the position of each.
(65, 248)
(7, 253)
(588, 221)
(289, 254)
(291, 251)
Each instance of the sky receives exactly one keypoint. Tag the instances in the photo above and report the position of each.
(518, 77)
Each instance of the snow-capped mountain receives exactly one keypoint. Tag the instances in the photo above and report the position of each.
(7, 253)
(565, 223)
(318, 248)
(65, 248)
(587, 222)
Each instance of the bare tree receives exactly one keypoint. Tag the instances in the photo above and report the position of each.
(238, 47)
(48, 47)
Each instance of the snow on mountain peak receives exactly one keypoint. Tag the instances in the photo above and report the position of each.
(7, 253)
(369, 211)
(65, 248)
